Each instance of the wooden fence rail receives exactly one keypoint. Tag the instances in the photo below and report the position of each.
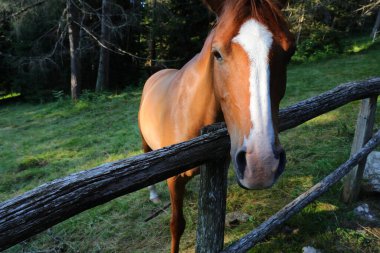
(212, 202)
(363, 132)
(308, 109)
(51, 203)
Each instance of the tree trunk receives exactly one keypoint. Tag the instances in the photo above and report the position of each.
(81, 34)
(152, 37)
(375, 28)
(300, 23)
(102, 81)
(72, 20)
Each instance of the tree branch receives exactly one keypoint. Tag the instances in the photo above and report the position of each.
(25, 9)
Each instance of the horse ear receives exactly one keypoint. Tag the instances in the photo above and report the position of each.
(282, 3)
(214, 5)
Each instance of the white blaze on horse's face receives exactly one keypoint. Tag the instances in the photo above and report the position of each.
(256, 41)
(258, 162)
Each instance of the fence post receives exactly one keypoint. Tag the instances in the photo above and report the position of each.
(212, 202)
(363, 132)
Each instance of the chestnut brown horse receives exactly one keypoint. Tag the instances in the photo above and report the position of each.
(238, 77)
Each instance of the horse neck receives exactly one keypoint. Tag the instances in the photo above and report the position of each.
(203, 65)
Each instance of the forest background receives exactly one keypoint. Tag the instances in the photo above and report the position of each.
(50, 49)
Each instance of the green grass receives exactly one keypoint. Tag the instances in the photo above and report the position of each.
(39, 143)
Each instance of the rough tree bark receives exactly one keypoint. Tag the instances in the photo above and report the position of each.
(102, 81)
(363, 132)
(376, 26)
(51, 203)
(152, 36)
(73, 17)
(81, 33)
(295, 115)
(212, 201)
(300, 23)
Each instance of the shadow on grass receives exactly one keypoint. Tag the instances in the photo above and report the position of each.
(327, 230)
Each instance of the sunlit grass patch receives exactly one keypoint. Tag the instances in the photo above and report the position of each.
(360, 44)
(324, 207)
(327, 118)
(10, 95)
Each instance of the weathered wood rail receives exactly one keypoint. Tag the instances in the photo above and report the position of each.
(299, 113)
(212, 201)
(364, 129)
(51, 203)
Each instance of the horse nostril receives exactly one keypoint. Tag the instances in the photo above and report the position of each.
(241, 163)
(281, 164)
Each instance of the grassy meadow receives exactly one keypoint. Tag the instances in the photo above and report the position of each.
(39, 143)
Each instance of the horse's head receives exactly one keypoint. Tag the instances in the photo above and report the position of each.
(251, 47)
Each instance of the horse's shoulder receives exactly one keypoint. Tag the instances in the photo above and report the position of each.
(162, 74)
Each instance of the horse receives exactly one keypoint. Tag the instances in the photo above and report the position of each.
(239, 77)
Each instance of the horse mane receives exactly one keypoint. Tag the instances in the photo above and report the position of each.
(258, 9)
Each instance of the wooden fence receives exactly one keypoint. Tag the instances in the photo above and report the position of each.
(51, 203)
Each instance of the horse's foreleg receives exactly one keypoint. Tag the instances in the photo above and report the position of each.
(177, 223)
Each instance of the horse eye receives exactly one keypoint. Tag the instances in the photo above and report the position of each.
(217, 55)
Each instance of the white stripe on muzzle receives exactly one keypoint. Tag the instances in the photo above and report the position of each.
(256, 40)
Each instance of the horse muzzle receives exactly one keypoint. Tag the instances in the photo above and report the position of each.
(258, 168)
